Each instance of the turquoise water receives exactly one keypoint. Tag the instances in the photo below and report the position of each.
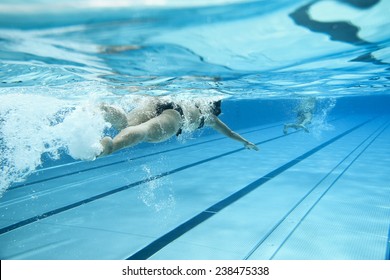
(318, 195)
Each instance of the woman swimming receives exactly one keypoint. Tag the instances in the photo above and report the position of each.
(304, 115)
(159, 119)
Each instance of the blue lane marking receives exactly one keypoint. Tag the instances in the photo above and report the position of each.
(381, 129)
(330, 186)
(148, 155)
(164, 240)
(126, 160)
(387, 254)
(123, 188)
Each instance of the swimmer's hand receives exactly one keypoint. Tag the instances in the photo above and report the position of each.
(251, 146)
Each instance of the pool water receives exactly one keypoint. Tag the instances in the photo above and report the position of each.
(318, 195)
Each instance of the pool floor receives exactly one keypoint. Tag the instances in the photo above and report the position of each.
(300, 197)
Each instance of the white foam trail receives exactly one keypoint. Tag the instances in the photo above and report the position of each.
(31, 125)
(81, 132)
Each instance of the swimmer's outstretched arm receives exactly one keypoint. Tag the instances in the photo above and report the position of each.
(219, 126)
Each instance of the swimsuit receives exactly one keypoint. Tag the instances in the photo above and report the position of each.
(161, 107)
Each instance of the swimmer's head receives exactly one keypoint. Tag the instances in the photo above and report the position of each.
(216, 108)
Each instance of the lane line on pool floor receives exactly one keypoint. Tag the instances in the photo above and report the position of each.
(4, 204)
(331, 185)
(148, 155)
(130, 159)
(120, 189)
(126, 187)
(172, 235)
(387, 254)
(18, 186)
(373, 135)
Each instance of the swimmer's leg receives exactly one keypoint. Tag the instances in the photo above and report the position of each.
(295, 126)
(306, 121)
(114, 115)
(164, 126)
(303, 127)
(154, 130)
(287, 126)
(140, 115)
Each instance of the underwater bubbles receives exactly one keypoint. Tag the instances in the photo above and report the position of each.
(156, 193)
(320, 122)
(34, 125)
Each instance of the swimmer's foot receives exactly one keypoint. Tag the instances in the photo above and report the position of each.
(285, 129)
(108, 145)
(304, 128)
(117, 49)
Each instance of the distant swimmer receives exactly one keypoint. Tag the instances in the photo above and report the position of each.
(304, 115)
(159, 119)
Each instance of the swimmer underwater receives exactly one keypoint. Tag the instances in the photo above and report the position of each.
(158, 120)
